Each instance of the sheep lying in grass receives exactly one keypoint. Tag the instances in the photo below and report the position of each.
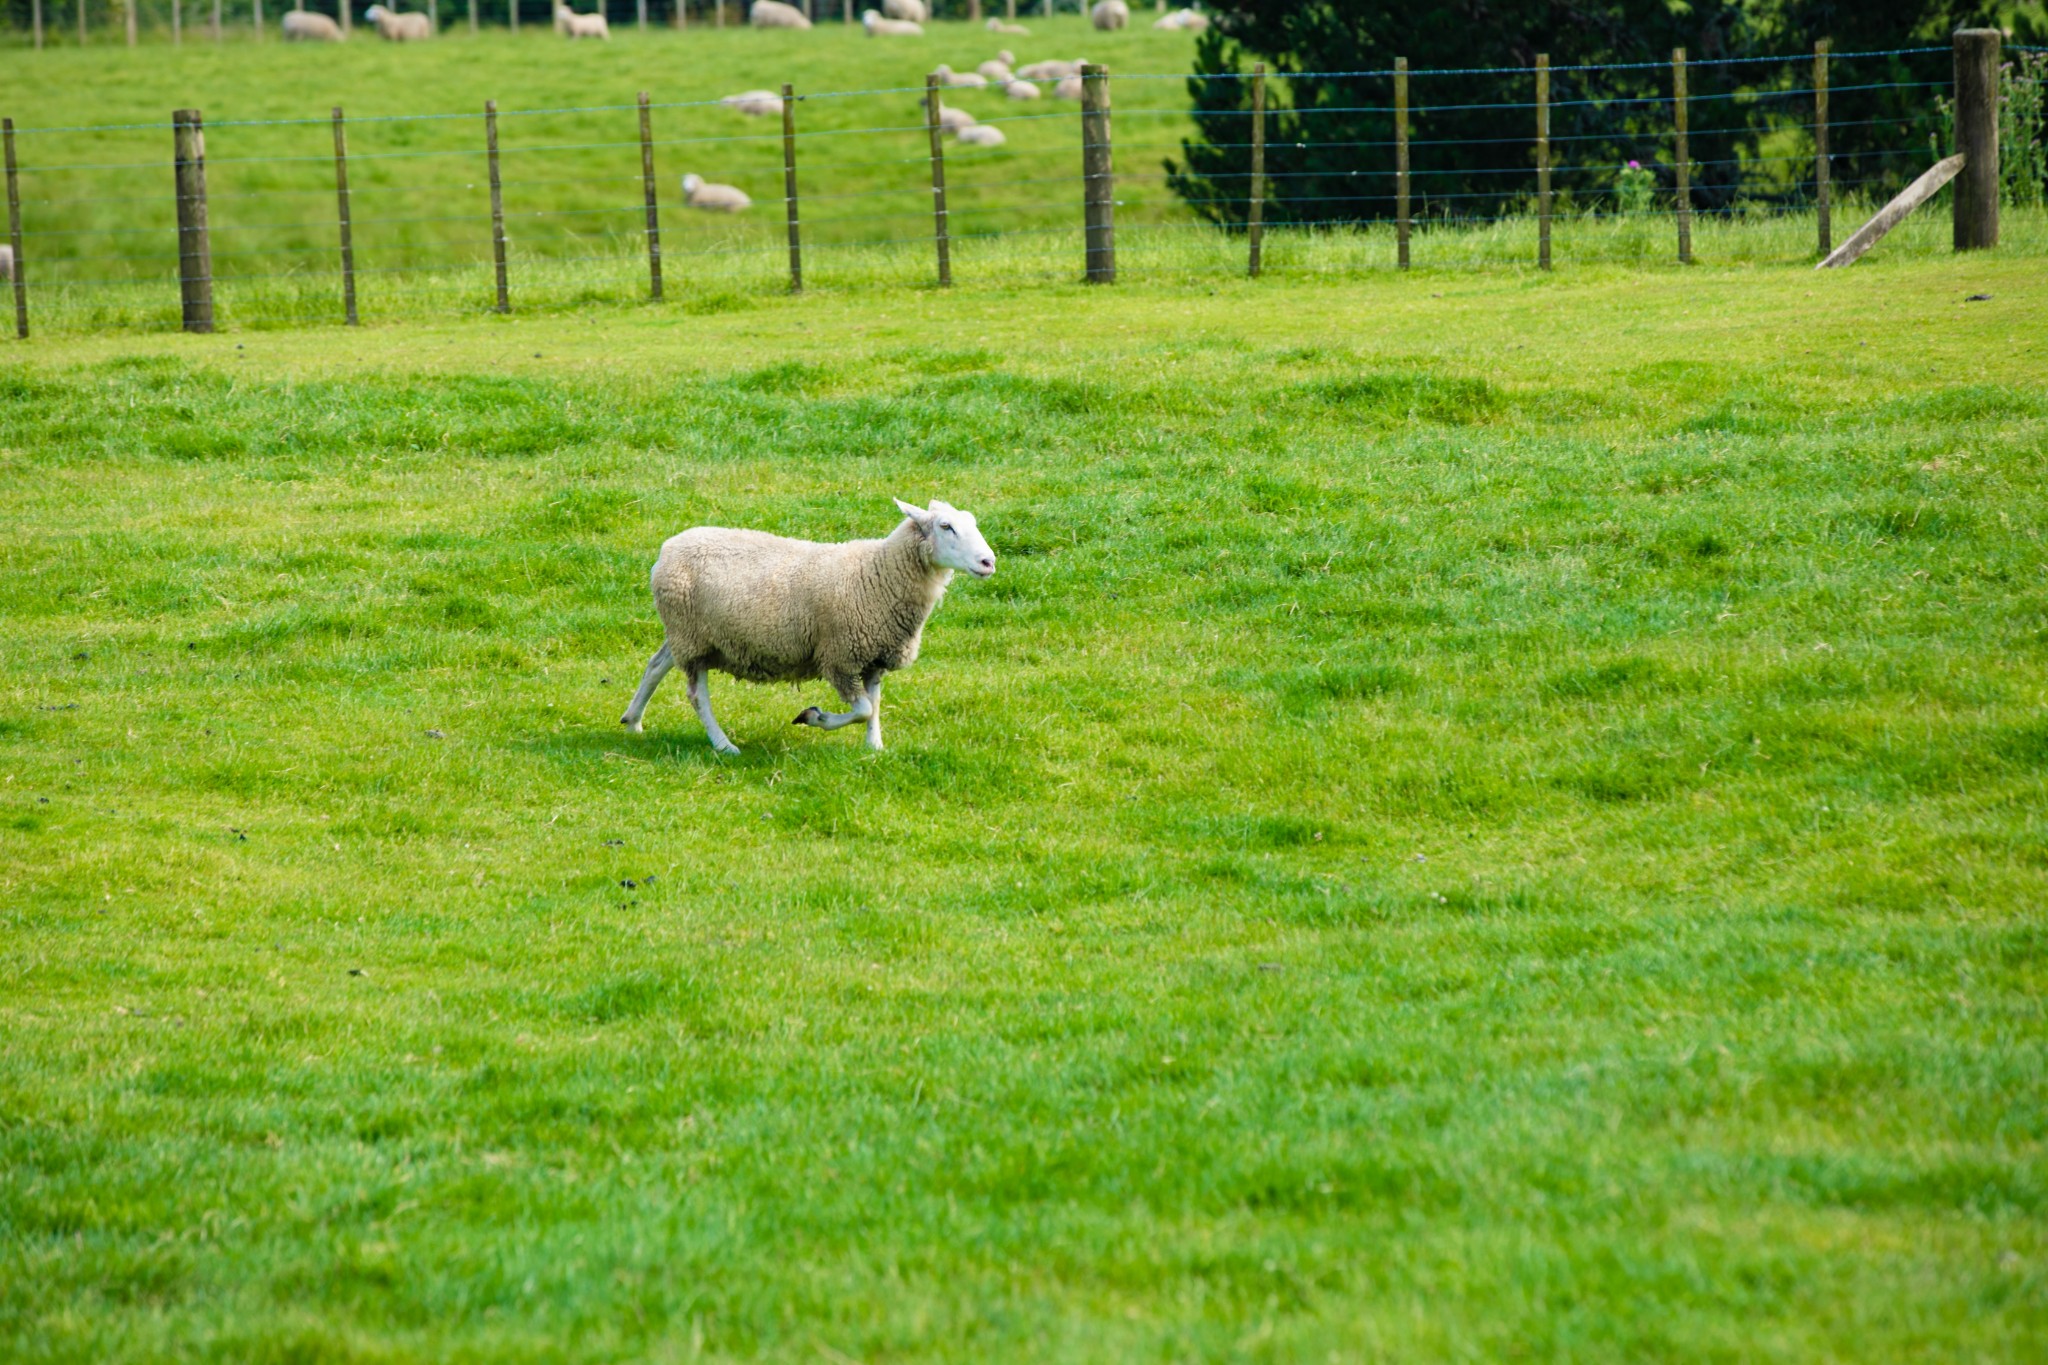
(912, 11)
(775, 14)
(997, 70)
(6, 262)
(700, 193)
(754, 103)
(399, 28)
(1069, 88)
(878, 27)
(304, 26)
(767, 609)
(960, 80)
(998, 26)
(1051, 70)
(1191, 21)
(980, 135)
(1109, 14)
(953, 120)
(1021, 90)
(570, 24)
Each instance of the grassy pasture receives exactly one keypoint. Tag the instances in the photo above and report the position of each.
(1479, 817)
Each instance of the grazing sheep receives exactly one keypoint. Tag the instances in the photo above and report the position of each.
(700, 193)
(1052, 70)
(1109, 14)
(1191, 21)
(998, 26)
(6, 262)
(1069, 88)
(998, 71)
(775, 14)
(399, 28)
(754, 103)
(763, 608)
(980, 135)
(1021, 90)
(570, 24)
(304, 26)
(911, 11)
(959, 80)
(878, 27)
(953, 120)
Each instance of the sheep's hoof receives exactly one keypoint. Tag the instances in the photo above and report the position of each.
(810, 715)
(632, 726)
(726, 748)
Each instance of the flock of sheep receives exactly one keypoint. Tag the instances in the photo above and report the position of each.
(896, 18)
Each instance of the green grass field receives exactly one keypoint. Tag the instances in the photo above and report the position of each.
(1480, 817)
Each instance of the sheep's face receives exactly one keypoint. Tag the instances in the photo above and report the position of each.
(955, 540)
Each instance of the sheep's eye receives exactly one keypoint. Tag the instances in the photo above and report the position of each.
(945, 526)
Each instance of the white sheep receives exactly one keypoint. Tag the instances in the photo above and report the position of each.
(953, 120)
(1069, 88)
(998, 72)
(980, 135)
(1051, 70)
(399, 28)
(304, 26)
(959, 80)
(6, 262)
(1191, 21)
(998, 26)
(764, 608)
(911, 11)
(700, 193)
(1021, 90)
(775, 14)
(570, 24)
(878, 27)
(754, 103)
(1109, 14)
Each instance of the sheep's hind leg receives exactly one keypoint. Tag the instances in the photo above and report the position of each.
(700, 694)
(861, 708)
(874, 697)
(657, 669)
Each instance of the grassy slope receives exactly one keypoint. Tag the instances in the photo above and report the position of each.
(1502, 819)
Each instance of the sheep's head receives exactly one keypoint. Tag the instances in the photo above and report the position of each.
(954, 539)
(375, 12)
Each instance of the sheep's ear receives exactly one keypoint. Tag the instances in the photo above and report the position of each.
(916, 514)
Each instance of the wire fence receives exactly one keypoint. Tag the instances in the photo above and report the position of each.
(592, 205)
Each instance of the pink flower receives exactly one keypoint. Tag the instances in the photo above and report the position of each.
(1635, 165)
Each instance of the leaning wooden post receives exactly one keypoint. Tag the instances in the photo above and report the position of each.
(1820, 146)
(653, 197)
(1543, 160)
(796, 248)
(348, 241)
(1680, 115)
(931, 122)
(1401, 161)
(497, 202)
(1097, 175)
(14, 233)
(1976, 186)
(1255, 216)
(195, 252)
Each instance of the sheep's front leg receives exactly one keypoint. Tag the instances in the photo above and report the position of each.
(700, 696)
(861, 707)
(657, 669)
(874, 700)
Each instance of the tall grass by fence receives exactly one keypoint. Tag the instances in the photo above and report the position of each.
(843, 187)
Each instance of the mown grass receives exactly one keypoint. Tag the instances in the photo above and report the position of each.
(1478, 817)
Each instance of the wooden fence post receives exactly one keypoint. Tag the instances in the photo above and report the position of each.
(931, 121)
(653, 197)
(177, 23)
(79, 8)
(14, 233)
(1098, 175)
(347, 22)
(1009, 11)
(433, 16)
(1401, 161)
(36, 16)
(128, 13)
(1543, 160)
(195, 251)
(1976, 187)
(256, 18)
(796, 249)
(1681, 117)
(497, 203)
(348, 241)
(511, 13)
(1820, 146)
(1255, 217)
(219, 27)
(643, 16)
(473, 22)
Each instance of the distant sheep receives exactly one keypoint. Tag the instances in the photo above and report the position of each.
(953, 120)
(1191, 21)
(1021, 90)
(764, 608)
(400, 28)
(981, 135)
(911, 11)
(1109, 14)
(700, 193)
(775, 14)
(998, 72)
(1051, 71)
(6, 262)
(304, 26)
(998, 26)
(754, 103)
(959, 80)
(1069, 88)
(570, 24)
(878, 27)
